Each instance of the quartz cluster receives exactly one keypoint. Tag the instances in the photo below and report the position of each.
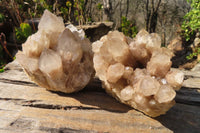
(56, 57)
(137, 71)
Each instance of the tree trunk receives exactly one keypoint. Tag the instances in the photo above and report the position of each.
(107, 10)
(151, 15)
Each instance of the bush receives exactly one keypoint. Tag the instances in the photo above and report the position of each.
(191, 23)
(128, 27)
(23, 32)
(2, 62)
(191, 26)
(2, 18)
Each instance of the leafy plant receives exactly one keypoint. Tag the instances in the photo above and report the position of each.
(2, 62)
(89, 19)
(191, 26)
(195, 53)
(99, 6)
(66, 11)
(2, 69)
(191, 23)
(79, 11)
(128, 27)
(45, 5)
(2, 44)
(2, 18)
(23, 32)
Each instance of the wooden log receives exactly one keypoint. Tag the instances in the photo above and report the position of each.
(26, 107)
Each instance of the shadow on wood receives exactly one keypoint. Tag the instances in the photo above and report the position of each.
(182, 119)
(25, 107)
(99, 99)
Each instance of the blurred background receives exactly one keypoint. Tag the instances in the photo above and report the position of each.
(176, 21)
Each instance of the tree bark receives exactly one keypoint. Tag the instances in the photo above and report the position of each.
(127, 8)
(151, 15)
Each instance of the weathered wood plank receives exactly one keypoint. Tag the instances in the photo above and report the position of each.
(93, 111)
(192, 83)
(26, 107)
(192, 79)
(194, 74)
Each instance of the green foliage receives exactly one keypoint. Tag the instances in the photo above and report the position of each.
(64, 12)
(68, 4)
(2, 70)
(45, 5)
(191, 26)
(191, 22)
(70, 10)
(2, 62)
(89, 19)
(78, 8)
(2, 18)
(195, 53)
(23, 32)
(128, 27)
(99, 6)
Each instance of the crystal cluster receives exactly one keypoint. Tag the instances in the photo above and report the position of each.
(137, 71)
(57, 58)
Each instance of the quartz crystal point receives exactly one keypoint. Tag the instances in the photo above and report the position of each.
(137, 71)
(57, 58)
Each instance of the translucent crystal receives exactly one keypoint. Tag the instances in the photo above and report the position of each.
(128, 72)
(137, 71)
(28, 63)
(159, 65)
(69, 48)
(35, 44)
(115, 72)
(127, 93)
(148, 86)
(165, 94)
(57, 58)
(175, 78)
(50, 63)
(52, 25)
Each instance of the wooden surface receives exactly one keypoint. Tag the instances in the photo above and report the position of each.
(26, 107)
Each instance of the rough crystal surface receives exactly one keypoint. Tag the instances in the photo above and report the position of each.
(57, 58)
(137, 71)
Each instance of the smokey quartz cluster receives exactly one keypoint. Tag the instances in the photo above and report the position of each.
(56, 57)
(137, 71)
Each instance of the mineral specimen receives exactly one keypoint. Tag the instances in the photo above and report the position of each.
(57, 58)
(137, 72)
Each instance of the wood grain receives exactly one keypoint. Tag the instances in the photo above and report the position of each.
(26, 107)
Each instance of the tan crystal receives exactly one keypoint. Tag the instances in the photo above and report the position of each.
(147, 86)
(52, 25)
(165, 94)
(127, 93)
(175, 78)
(137, 71)
(159, 65)
(35, 44)
(56, 57)
(115, 72)
(50, 63)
